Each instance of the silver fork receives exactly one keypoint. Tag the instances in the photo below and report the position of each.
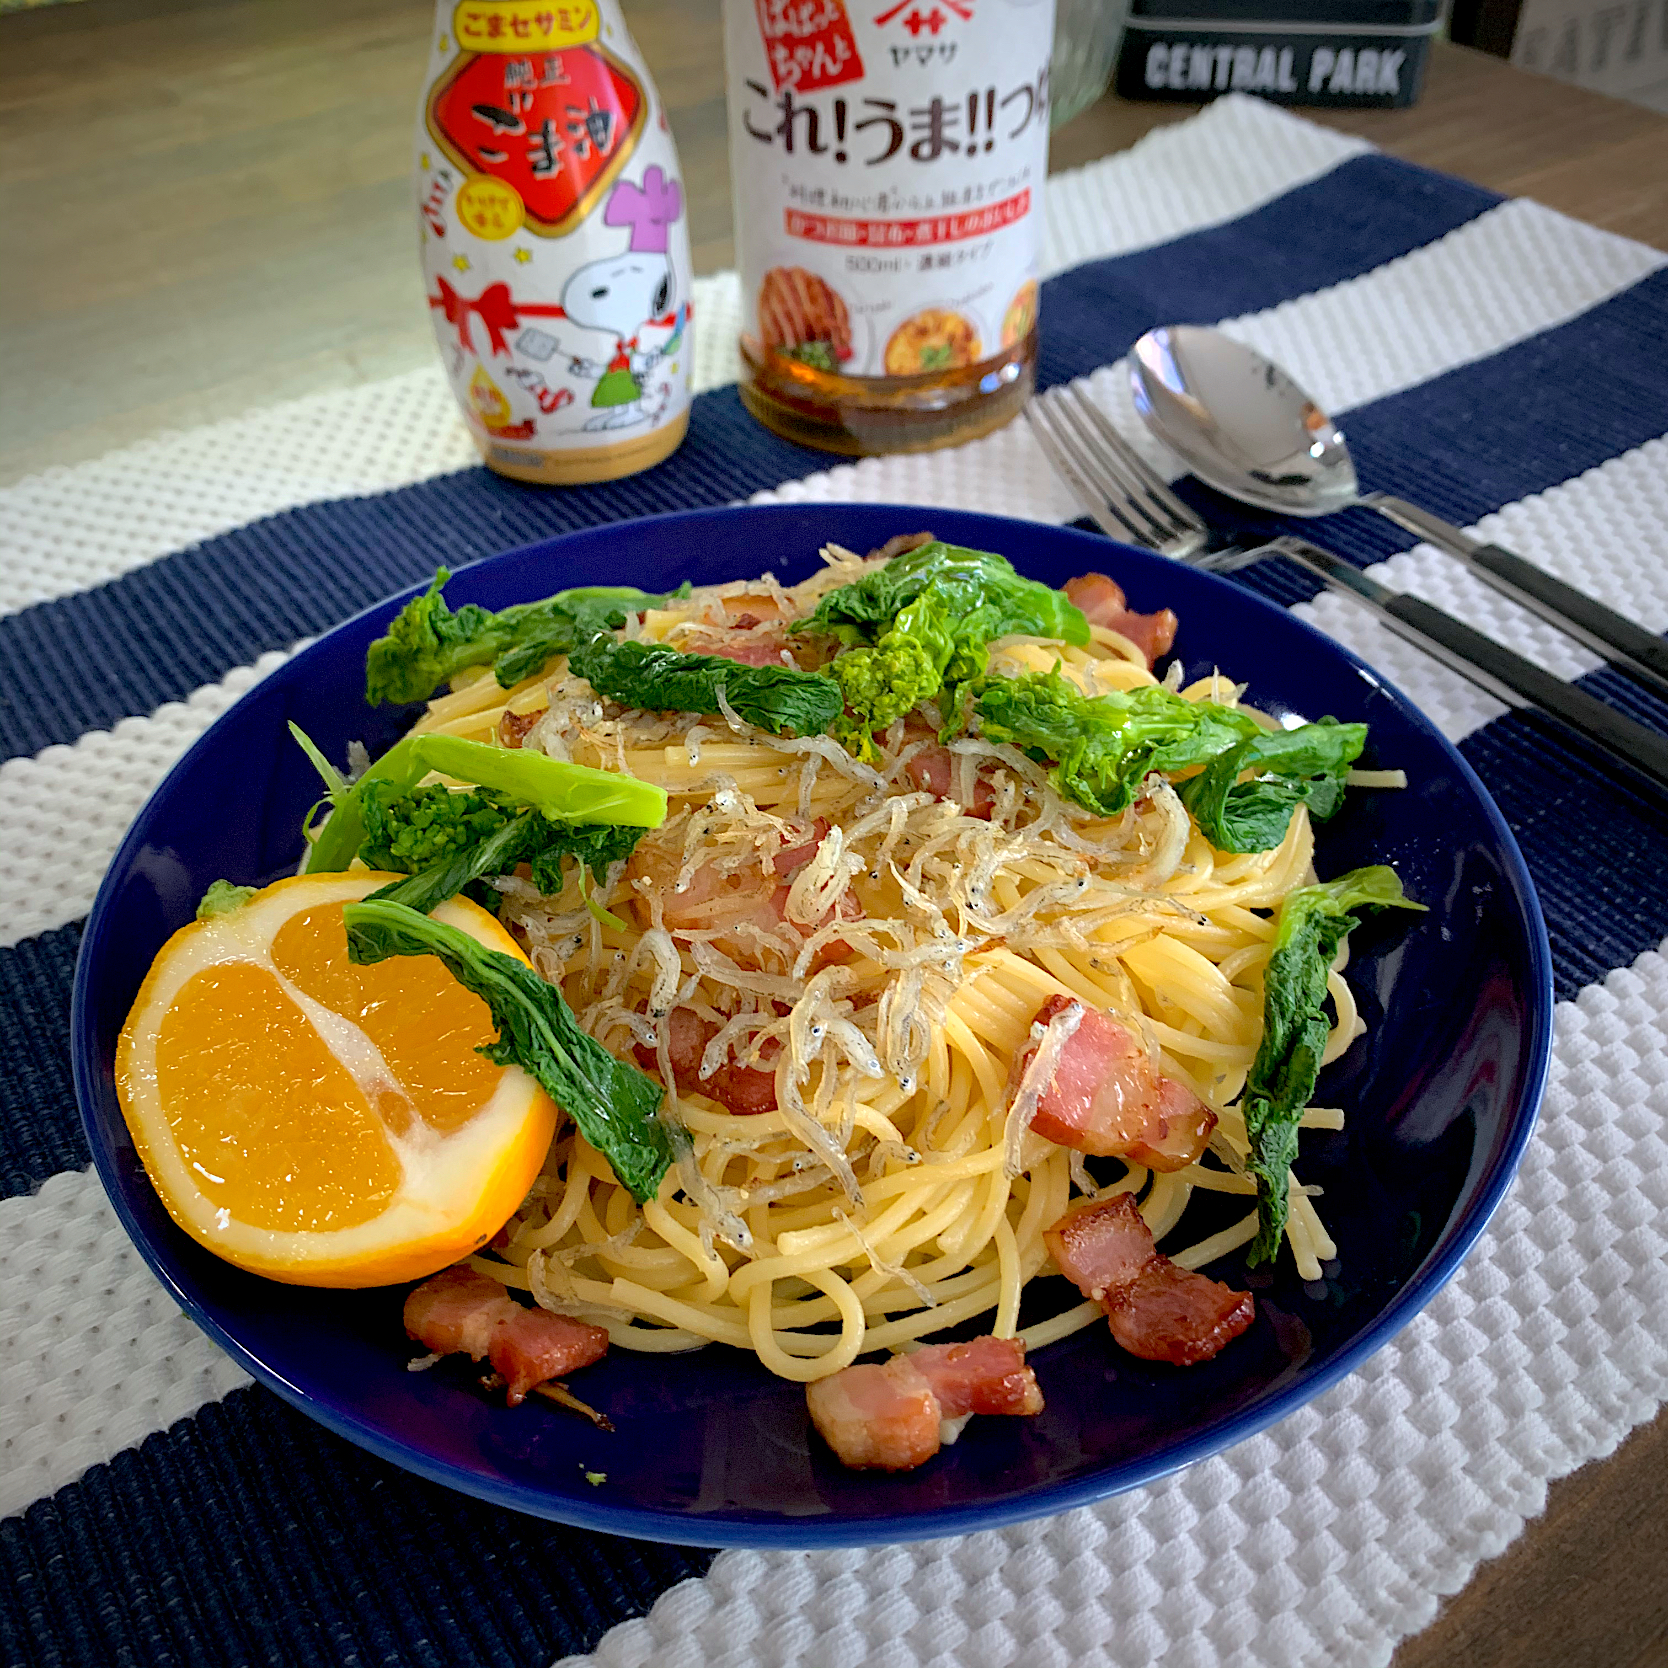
(1127, 497)
(1131, 501)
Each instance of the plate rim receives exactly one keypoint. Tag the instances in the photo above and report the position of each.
(738, 1528)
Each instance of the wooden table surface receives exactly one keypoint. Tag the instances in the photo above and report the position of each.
(212, 213)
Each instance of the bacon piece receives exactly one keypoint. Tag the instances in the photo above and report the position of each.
(457, 1309)
(1187, 1126)
(984, 1375)
(1105, 1098)
(934, 770)
(1102, 601)
(900, 544)
(533, 1346)
(745, 649)
(755, 608)
(713, 899)
(1101, 1248)
(740, 640)
(1101, 1096)
(877, 1418)
(460, 1310)
(789, 862)
(743, 1090)
(738, 901)
(1157, 1309)
(1169, 1313)
(888, 1418)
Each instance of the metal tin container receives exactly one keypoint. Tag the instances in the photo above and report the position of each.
(1359, 54)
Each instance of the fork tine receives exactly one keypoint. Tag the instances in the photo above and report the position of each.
(1108, 483)
(1107, 510)
(1120, 487)
(1156, 488)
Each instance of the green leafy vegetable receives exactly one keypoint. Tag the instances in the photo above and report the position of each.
(449, 842)
(1102, 746)
(819, 355)
(978, 580)
(923, 621)
(427, 643)
(659, 679)
(1292, 767)
(222, 898)
(615, 1106)
(557, 789)
(1314, 921)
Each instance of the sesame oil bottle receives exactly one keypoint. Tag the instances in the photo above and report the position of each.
(554, 243)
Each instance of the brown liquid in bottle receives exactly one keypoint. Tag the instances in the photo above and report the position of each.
(861, 415)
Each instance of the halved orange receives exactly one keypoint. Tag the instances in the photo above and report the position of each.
(317, 1122)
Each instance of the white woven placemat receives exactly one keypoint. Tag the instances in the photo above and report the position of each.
(1323, 1540)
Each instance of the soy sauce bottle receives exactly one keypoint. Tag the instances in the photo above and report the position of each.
(888, 163)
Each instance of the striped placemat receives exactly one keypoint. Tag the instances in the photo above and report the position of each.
(160, 1509)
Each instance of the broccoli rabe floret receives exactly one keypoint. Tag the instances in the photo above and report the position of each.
(420, 828)
(451, 842)
(880, 685)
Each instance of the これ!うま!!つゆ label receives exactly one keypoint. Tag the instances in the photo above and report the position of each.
(554, 238)
(888, 161)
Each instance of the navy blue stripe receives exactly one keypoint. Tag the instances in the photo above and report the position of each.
(1591, 835)
(82, 662)
(250, 1535)
(40, 1129)
(1360, 215)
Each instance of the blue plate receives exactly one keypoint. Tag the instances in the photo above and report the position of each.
(710, 1449)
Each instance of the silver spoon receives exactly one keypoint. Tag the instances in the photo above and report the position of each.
(1243, 426)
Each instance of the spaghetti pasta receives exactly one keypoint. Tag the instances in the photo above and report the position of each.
(882, 990)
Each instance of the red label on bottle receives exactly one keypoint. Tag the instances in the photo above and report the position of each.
(555, 126)
(808, 44)
(906, 234)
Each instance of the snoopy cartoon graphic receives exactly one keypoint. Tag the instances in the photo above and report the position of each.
(622, 295)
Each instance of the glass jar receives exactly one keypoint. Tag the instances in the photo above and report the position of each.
(1087, 35)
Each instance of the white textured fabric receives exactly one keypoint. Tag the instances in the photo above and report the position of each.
(64, 811)
(97, 1356)
(1322, 1541)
